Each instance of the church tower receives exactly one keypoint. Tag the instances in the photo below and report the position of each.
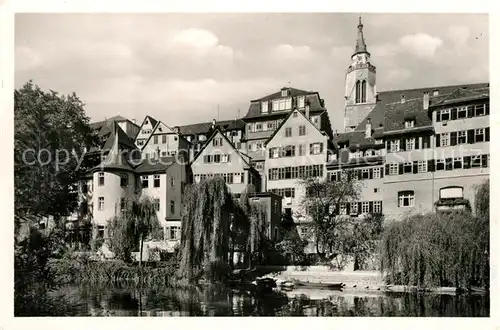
(360, 92)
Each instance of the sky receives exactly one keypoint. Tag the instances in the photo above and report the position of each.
(182, 68)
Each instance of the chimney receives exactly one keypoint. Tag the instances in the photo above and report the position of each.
(426, 100)
(177, 129)
(368, 129)
(213, 123)
(403, 100)
(307, 110)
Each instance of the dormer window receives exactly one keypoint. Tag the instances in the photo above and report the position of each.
(410, 123)
(284, 92)
(264, 107)
(301, 101)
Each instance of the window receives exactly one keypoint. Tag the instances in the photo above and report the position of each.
(163, 139)
(274, 153)
(475, 161)
(377, 207)
(365, 207)
(440, 164)
(172, 181)
(422, 166)
(445, 114)
(365, 173)
(217, 158)
(100, 206)
(144, 180)
(407, 168)
(163, 153)
(363, 91)
(457, 162)
(295, 114)
(172, 207)
(122, 204)
(358, 91)
(264, 107)
(410, 144)
(394, 146)
(173, 233)
(479, 110)
(376, 172)
(101, 179)
(406, 198)
(100, 231)
(225, 159)
(409, 123)
(140, 142)
(289, 151)
(258, 127)
(157, 204)
(302, 130)
(375, 190)
(462, 112)
(354, 208)
(302, 149)
(217, 142)
(288, 132)
(445, 139)
(316, 148)
(155, 139)
(393, 169)
(301, 101)
(156, 182)
(462, 137)
(124, 180)
(479, 135)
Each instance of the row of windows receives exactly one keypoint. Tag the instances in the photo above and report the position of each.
(284, 192)
(295, 172)
(463, 137)
(163, 138)
(100, 205)
(282, 104)
(209, 159)
(264, 126)
(463, 112)
(432, 165)
(124, 181)
(354, 208)
(409, 144)
(360, 174)
(229, 178)
(292, 150)
(155, 155)
(301, 130)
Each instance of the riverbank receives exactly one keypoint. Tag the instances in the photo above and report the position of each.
(352, 281)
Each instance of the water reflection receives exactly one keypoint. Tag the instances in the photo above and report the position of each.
(221, 301)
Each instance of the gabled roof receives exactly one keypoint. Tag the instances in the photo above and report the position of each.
(155, 128)
(312, 98)
(284, 121)
(385, 97)
(151, 120)
(245, 158)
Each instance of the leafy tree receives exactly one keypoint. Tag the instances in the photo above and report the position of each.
(290, 244)
(482, 200)
(51, 132)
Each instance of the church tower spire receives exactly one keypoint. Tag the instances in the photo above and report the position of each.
(360, 41)
(360, 92)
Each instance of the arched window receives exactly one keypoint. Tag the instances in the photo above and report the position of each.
(358, 91)
(363, 91)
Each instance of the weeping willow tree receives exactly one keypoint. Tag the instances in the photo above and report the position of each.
(443, 249)
(255, 214)
(136, 222)
(205, 231)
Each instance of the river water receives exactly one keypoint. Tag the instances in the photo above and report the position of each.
(221, 301)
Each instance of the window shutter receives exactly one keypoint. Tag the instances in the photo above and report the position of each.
(348, 208)
(486, 109)
(311, 148)
(438, 115)
(321, 147)
(415, 167)
(386, 169)
(453, 113)
(402, 145)
(382, 172)
(484, 160)
(453, 138)
(370, 207)
(449, 164)
(426, 142)
(470, 136)
(381, 207)
(388, 146)
(487, 134)
(417, 142)
(438, 140)
(359, 175)
(370, 173)
(360, 210)
(430, 165)
(401, 169)
(467, 162)
(470, 111)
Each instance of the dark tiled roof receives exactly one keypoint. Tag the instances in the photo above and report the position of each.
(204, 128)
(377, 114)
(461, 95)
(155, 165)
(106, 132)
(311, 97)
(358, 139)
(397, 113)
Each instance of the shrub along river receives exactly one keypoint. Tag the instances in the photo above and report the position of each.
(221, 301)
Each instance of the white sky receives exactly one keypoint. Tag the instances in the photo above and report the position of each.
(179, 67)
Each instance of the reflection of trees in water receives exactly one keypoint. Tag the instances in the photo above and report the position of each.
(221, 301)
